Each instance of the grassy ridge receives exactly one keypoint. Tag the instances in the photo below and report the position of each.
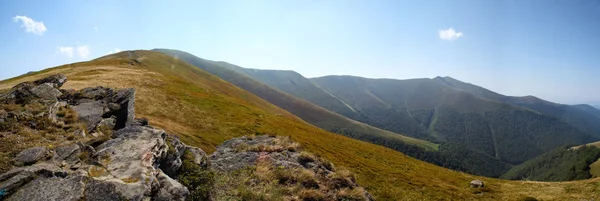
(305, 110)
(205, 110)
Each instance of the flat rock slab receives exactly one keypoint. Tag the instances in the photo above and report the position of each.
(53, 188)
(31, 155)
(46, 91)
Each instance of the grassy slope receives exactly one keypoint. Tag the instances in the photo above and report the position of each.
(205, 111)
(307, 111)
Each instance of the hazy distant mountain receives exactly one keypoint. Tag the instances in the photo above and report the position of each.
(582, 117)
(448, 110)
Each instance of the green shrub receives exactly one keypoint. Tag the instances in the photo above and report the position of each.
(199, 180)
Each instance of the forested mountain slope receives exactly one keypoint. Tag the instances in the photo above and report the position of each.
(583, 117)
(429, 109)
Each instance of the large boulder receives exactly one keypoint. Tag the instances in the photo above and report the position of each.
(131, 157)
(45, 88)
(123, 168)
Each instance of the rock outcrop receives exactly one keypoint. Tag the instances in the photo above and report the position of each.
(115, 156)
(278, 158)
(136, 162)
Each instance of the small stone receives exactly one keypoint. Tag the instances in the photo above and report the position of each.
(80, 133)
(96, 134)
(476, 184)
(113, 106)
(140, 122)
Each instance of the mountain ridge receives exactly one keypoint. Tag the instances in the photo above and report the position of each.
(416, 111)
(205, 111)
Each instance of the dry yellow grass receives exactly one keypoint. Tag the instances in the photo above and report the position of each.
(205, 111)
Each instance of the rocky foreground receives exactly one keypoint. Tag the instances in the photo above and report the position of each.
(88, 145)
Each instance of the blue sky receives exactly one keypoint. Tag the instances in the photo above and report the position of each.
(550, 49)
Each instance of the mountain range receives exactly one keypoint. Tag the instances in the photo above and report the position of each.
(206, 103)
(441, 110)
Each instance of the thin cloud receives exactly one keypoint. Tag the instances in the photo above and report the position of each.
(95, 28)
(82, 51)
(67, 51)
(31, 25)
(449, 34)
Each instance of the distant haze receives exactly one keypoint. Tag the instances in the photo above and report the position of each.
(543, 48)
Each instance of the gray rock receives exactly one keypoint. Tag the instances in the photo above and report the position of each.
(172, 160)
(233, 162)
(53, 110)
(80, 133)
(132, 156)
(170, 189)
(125, 98)
(476, 184)
(69, 155)
(96, 190)
(65, 151)
(17, 181)
(20, 94)
(113, 106)
(90, 113)
(31, 155)
(95, 93)
(140, 122)
(199, 155)
(56, 81)
(46, 91)
(53, 188)
(13, 179)
(108, 122)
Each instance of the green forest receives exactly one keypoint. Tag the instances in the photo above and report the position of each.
(560, 164)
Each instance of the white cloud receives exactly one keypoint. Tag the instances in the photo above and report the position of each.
(83, 51)
(31, 25)
(449, 34)
(114, 51)
(67, 51)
